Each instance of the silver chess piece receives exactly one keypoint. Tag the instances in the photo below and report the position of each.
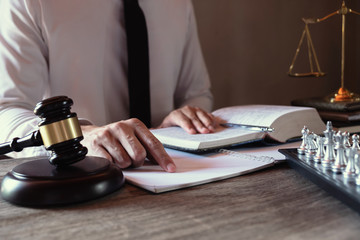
(355, 141)
(357, 180)
(346, 139)
(350, 171)
(302, 148)
(355, 145)
(311, 146)
(320, 149)
(347, 144)
(329, 146)
(340, 142)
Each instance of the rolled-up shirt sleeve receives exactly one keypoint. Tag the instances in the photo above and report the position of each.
(23, 72)
(194, 83)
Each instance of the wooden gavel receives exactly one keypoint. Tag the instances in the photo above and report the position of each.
(66, 179)
(59, 131)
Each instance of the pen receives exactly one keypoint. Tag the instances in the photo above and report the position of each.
(249, 127)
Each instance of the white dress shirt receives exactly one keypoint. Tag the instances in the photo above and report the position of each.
(78, 48)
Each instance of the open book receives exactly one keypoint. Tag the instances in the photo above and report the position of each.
(193, 169)
(242, 124)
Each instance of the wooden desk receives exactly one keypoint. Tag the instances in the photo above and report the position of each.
(275, 203)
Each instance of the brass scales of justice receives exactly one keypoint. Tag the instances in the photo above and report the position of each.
(342, 94)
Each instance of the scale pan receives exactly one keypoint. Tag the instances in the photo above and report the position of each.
(309, 74)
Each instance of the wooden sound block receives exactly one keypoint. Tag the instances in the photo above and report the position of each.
(40, 184)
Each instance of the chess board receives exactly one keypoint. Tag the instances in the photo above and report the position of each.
(336, 184)
(331, 160)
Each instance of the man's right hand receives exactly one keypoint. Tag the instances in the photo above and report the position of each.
(126, 143)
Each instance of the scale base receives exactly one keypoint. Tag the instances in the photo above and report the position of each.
(344, 95)
(40, 184)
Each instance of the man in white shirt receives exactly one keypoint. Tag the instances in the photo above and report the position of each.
(78, 48)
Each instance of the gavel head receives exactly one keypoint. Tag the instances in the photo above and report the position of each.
(60, 131)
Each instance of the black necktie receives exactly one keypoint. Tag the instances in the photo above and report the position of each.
(138, 62)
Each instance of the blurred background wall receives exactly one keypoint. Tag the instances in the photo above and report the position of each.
(249, 45)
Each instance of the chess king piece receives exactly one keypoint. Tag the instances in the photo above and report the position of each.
(329, 146)
(68, 176)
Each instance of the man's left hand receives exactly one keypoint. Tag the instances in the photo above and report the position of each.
(191, 119)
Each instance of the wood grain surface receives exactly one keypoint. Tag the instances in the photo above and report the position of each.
(275, 203)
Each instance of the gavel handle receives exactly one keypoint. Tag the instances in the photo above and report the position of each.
(18, 144)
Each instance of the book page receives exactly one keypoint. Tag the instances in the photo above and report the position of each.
(176, 136)
(220, 133)
(256, 115)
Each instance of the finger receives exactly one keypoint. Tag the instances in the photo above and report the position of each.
(133, 147)
(119, 155)
(200, 127)
(192, 114)
(180, 119)
(151, 159)
(115, 150)
(155, 149)
(216, 120)
(207, 119)
(100, 151)
(219, 120)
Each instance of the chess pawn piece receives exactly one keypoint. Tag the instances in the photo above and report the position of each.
(350, 171)
(320, 149)
(310, 146)
(329, 146)
(302, 148)
(339, 163)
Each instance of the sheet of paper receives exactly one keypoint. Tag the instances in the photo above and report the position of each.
(269, 151)
(194, 169)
